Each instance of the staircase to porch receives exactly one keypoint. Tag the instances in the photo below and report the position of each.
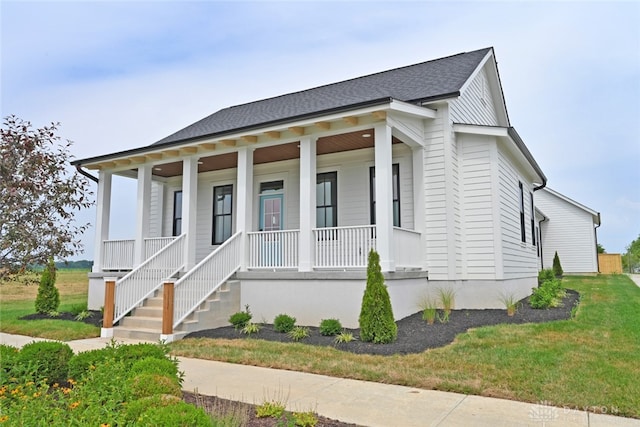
(202, 298)
(145, 321)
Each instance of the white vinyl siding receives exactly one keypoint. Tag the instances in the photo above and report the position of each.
(475, 104)
(519, 258)
(479, 245)
(568, 230)
(435, 197)
(155, 209)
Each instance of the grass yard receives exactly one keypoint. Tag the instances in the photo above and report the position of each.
(591, 362)
(17, 299)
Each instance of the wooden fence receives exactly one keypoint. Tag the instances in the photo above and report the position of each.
(610, 263)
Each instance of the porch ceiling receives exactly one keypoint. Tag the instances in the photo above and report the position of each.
(325, 145)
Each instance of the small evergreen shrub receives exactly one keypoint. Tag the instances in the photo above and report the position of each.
(376, 319)
(240, 319)
(330, 327)
(557, 267)
(180, 414)
(78, 308)
(48, 299)
(284, 323)
(50, 358)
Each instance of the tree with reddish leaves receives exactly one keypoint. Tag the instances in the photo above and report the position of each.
(39, 195)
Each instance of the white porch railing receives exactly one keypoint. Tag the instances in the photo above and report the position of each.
(154, 244)
(408, 253)
(206, 277)
(141, 282)
(343, 247)
(119, 254)
(273, 249)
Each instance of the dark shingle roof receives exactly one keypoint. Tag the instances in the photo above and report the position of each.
(429, 80)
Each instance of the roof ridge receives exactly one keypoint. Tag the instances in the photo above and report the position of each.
(355, 78)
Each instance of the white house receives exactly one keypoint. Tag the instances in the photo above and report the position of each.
(276, 203)
(569, 228)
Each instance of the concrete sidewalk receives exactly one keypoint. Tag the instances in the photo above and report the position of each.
(361, 402)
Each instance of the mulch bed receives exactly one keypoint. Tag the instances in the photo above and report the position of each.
(94, 319)
(414, 334)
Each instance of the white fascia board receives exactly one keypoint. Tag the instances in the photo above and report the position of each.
(412, 109)
(594, 214)
(481, 130)
(476, 71)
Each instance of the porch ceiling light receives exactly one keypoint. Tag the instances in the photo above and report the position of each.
(366, 135)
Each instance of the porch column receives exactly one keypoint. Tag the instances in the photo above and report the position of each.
(384, 197)
(307, 202)
(142, 213)
(189, 209)
(419, 208)
(244, 216)
(103, 211)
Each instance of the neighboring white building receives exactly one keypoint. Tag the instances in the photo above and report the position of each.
(569, 228)
(291, 185)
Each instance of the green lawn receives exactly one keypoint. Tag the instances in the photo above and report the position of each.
(591, 361)
(18, 299)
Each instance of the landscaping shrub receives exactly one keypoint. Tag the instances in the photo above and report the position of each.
(299, 333)
(145, 385)
(544, 275)
(330, 327)
(134, 352)
(180, 414)
(151, 365)
(50, 358)
(48, 299)
(376, 315)
(547, 295)
(137, 407)
(82, 363)
(240, 319)
(9, 356)
(557, 268)
(284, 323)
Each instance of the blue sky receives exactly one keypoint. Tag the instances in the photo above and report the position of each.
(120, 75)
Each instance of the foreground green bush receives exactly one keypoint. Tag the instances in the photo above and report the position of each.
(548, 294)
(179, 414)
(50, 359)
(330, 327)
(284, 323)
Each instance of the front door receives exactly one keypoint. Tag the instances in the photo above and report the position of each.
(271, 220)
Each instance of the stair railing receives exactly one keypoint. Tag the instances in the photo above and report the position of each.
(141, 282)
(206, 277)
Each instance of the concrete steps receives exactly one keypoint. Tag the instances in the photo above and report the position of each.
(145, 322)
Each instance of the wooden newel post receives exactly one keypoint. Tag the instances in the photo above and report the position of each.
(109, 303)
(167, 308)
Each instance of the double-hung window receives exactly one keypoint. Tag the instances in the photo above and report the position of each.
(222, 213)
(395, 197)
(327, 199)
(177, 213)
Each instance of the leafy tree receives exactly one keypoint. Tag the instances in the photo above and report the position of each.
(557, 267)
(601, 249)
(39, 196)
(48, 299)
(631, 258)
(376, 315)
